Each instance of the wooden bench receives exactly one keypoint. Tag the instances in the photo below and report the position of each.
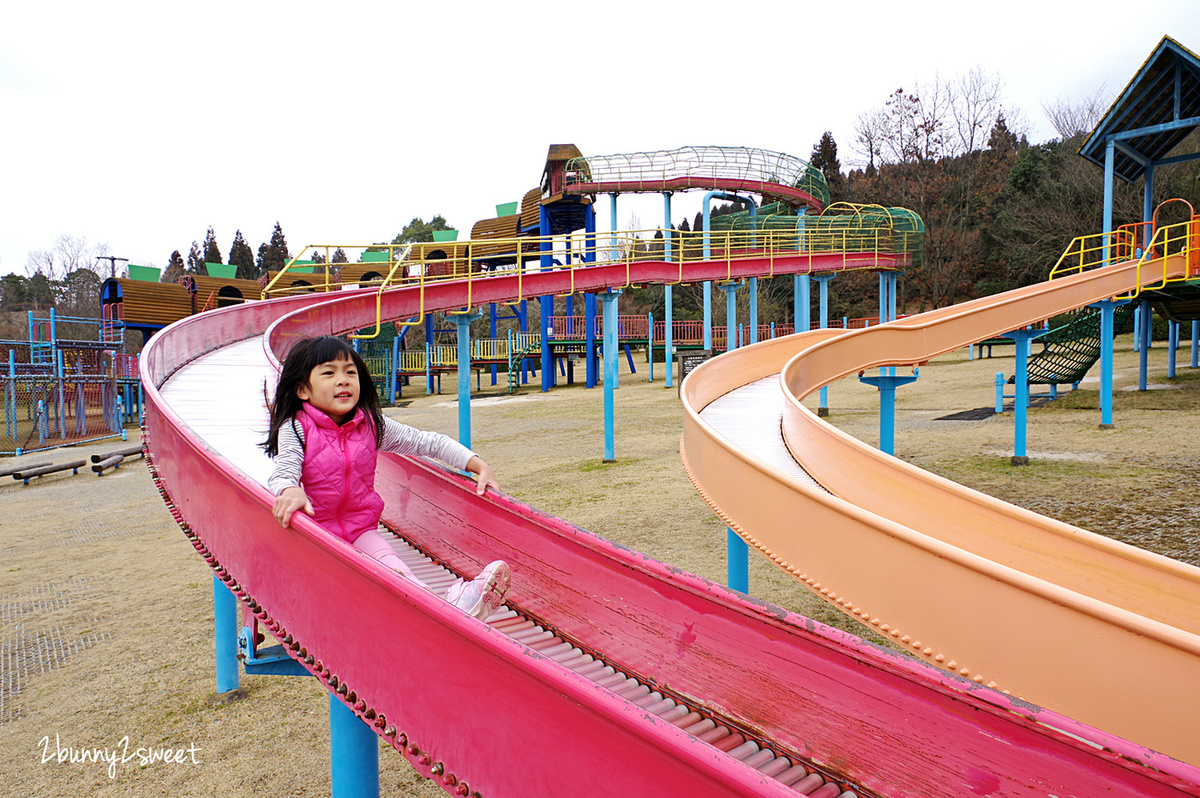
(990, 342)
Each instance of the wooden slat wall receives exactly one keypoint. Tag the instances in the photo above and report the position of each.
(153, 303)
(531, 206)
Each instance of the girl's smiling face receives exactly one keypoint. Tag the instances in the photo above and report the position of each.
(332, 388)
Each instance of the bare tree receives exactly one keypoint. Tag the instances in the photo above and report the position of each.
(868, 137)
(1074, 117)
(69, 254)
(975, 105)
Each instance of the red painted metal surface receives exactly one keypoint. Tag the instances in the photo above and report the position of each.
(698, 181)
(487, 711)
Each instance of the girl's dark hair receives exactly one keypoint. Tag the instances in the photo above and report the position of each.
(304, 356)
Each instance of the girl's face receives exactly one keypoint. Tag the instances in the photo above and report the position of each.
(332, 387)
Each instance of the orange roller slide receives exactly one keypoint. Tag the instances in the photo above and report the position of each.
(1069, 620)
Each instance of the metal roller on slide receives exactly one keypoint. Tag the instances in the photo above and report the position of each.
(788, 769)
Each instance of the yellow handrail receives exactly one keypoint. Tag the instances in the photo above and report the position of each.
(1102, 249)
(384, 284)
(623, 248)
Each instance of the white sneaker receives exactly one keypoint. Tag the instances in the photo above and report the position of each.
(485, 593)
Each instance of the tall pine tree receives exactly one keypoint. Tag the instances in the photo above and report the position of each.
(273, 255)
(212, 252)
(242, 256)
(824, 157)
(195, 261)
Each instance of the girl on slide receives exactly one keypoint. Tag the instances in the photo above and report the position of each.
(326, 431)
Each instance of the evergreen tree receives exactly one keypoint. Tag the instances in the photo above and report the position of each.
(339, 256)
(174, 270)
(13, 292)
(317, 257)
(824, 157)
(195, 261)
(212, 252)
(264, 252)
(242, 256)
(273, 256)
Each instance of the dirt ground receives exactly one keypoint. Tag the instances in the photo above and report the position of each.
(106, 610)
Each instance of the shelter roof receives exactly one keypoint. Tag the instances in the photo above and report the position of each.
(1157, 110)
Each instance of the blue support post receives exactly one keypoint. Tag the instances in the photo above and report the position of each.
(887, 385)
(589, 339)
(492, 334)
(1172, 345)
(462, 321)
(669, 337)
(393, 380)
(1021, 339)
(650, 345)
(225, 635)
(546, 303)
(731, 329)
(353, 753)
(1107, 307)
(1145, 313)
(669, 314)
(428, 353)
(737, 565)
(1195, 343)
(570, 313)
(999, 391)
(753, 284)
(802, 303)
(609, 298)
(708, 254)
(893, 287)
(823, 286)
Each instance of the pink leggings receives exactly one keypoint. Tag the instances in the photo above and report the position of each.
(373, 544)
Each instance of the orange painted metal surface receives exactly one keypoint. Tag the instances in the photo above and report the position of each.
(1070, 620)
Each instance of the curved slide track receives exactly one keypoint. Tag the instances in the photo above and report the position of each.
(1100, 631)
(608, 673)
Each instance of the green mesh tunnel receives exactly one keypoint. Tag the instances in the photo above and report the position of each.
(1072, 348)
(843, 225)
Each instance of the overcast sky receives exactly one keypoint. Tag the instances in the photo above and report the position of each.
(139, 125)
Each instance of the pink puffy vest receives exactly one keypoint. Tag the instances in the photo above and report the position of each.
(339, 472)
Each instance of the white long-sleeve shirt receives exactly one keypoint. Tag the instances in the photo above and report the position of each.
(397, 438)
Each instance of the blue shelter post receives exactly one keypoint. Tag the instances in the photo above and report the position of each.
(1107, 307)
(609, 298)
(462, 322)
(353, 753)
